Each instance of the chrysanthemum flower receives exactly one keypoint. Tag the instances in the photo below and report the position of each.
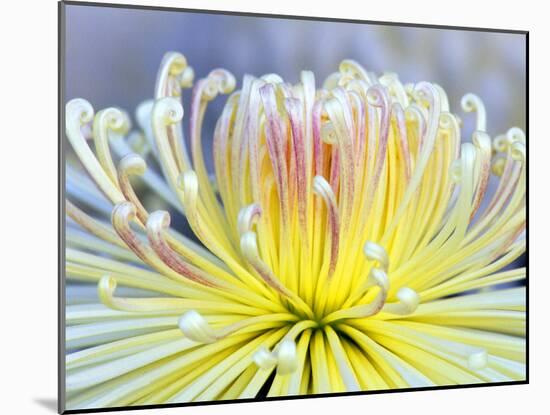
(346, 242)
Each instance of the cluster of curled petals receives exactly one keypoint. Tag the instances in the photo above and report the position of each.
(348, 239)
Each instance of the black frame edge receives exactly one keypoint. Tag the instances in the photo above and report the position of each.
(293, 397)
(527, 276)
(292, 17)
(61, 301)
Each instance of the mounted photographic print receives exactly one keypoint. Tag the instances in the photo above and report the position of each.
(260, 207)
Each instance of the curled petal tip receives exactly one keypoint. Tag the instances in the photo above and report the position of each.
(219, 81)
(482, 140)
(125, 211)
(471, 102)
(285, 357)
(168, 110)
(133, 164)
(80, 110)
(409, 297)
(518, 151)
(516, 134)
(328, 133)
(321, 187)
(249, 244)
(175, 62)
(478, 360)
(377, 95)
(376, 252)
(264, 359)
(196, 328)
(114, 119)
(380, 278)
(158, 220)
(247, 216)
(106, 288)
(408, 302)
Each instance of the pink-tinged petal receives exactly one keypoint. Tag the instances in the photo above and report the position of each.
(220, 148)
(308, 83)
(129, 165)
(430, 94)
(378, 98)
(334, 179)
(341, 95)
(360, 129)
(122, 214)
(318, 156)
(483, 143)
(253, 132)
(274, 130)
(403, 142)
(293, 107)
(507, 243)
(508, 179)
(322, 188)
(337, 111)
(239, 141)
(157, 223)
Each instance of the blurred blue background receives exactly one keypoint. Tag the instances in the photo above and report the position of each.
(112, 56)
